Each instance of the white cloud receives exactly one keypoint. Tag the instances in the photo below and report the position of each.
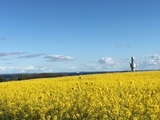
(151, 61)
(108, 61)
(31, 68)
(154, 56)
(58, 58)
(27, 69)
(2, 68)
(35, 69)
(112, 64)
(90, 67)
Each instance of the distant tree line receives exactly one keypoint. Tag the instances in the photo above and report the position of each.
(27, 76)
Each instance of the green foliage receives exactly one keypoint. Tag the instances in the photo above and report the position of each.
(31, 76)
(2, 79)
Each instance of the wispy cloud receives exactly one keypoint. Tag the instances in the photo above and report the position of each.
(108, 61)
(26, 69)
(104, 64)
(58, 58)
(2, 68)
(114, 64)
(90, 67)
(11, 53)
(154, 56)
(150, 61)
(31, 56)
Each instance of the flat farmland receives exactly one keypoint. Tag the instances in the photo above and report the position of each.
(118, 96)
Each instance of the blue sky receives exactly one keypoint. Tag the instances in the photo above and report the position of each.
(78, 35)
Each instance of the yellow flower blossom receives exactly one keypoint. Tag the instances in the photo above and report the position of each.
(127, 95)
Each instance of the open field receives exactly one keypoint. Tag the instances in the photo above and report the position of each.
(119, 96)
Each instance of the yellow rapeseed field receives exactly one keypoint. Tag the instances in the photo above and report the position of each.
(111, 96)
